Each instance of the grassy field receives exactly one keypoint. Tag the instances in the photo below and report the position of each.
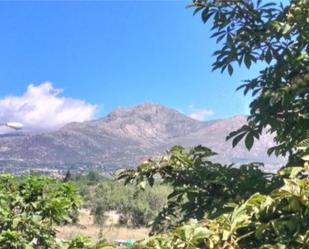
(111, 230)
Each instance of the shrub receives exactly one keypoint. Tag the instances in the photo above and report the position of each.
(30, 207)
(136, 207)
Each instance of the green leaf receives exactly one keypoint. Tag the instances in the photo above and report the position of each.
(247, 60)
(249, 141)
(206, 15)
(198, 9)
(286, 29)
(226, 234)
(230, 69)
(16, 222)
(305, 158)
(268, 55)
(142, 184)
(237, 139)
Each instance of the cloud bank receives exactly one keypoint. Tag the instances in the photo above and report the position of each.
(43, 108)
(199, 114)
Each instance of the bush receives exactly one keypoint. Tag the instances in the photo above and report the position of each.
(30, 207)
(136, 207)
(200, 188)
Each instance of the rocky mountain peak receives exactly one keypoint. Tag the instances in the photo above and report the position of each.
(147, 122)
(144, 111)
(126, 136)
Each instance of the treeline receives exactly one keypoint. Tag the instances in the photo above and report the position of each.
(135, 206)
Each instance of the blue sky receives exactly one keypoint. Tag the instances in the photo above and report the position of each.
(115, 53)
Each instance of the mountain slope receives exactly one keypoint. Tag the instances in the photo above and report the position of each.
(126, 136)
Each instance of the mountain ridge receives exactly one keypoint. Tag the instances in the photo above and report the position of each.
(125, 137)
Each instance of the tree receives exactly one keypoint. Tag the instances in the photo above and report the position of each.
(30, 207)
(269, 221)
(135, 207)
(200, 188)
(68, 176)
(277, 37)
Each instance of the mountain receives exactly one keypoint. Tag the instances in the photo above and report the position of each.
(125, 137)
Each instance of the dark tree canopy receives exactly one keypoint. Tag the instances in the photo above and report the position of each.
(277, 37)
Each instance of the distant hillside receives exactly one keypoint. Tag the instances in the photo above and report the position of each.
(126, 136)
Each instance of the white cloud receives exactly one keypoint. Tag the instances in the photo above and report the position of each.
(199, 113)
(42, 107)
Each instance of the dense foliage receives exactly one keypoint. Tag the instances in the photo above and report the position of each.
(135, 207)
(277, 218)
(30, 207)
(276, 37)
(200, 188)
